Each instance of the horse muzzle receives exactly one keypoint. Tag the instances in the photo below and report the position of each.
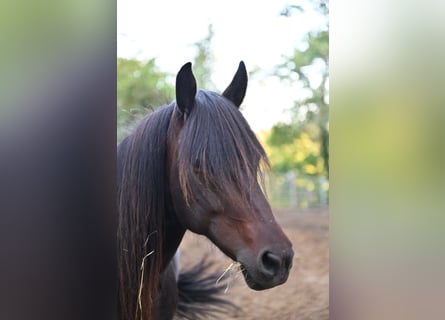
(270, 269)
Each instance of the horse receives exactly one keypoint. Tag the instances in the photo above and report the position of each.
(196, 165)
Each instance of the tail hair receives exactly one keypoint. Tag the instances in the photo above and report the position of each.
(200, 294)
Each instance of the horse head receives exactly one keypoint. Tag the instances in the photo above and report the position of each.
(214, 172)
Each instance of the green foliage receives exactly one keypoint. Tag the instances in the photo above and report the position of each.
(288, 10)
(141, 87)
(282, 134)
(321, 6)
(291, 150)
(310, 67)
(203, 61)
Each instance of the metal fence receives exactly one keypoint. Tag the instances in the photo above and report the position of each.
(297, 191)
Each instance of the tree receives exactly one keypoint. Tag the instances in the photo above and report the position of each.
(203, 61)
(309, 66)
(141, 87)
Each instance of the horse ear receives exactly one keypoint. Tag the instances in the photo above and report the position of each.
(185, 88)
(236, 91)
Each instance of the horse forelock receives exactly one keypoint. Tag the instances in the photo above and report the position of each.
(218, 148)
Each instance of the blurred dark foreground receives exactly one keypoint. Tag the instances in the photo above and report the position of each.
(57, 160)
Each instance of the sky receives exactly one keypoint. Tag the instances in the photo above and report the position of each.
(251, 31)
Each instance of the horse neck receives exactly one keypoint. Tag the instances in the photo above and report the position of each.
(173, 234)
(173, 230)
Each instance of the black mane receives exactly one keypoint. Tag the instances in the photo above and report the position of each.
(141, 164)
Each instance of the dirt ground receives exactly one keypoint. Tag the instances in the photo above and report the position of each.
(305, 295)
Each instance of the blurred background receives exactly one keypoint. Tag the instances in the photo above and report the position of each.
(285, 47)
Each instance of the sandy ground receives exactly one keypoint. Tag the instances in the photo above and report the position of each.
(306, 293)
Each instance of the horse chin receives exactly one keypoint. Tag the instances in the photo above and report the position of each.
(251, 283)
(259, 284)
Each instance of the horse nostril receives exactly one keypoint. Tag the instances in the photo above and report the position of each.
(270, 263)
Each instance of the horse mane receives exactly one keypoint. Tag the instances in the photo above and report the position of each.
(214, 135)
(141, 200)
